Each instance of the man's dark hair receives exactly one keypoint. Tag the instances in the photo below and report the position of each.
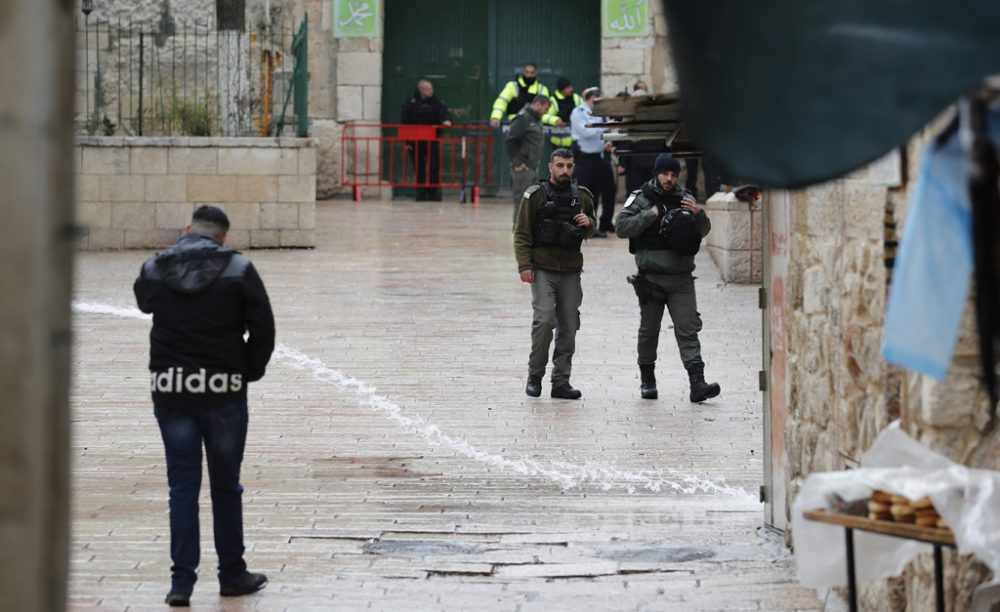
(561, 152)
(210, 217)
(544, 99)
(532, 64)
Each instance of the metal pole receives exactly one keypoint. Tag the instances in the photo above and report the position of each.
(852, 585)
(97, 77)
(142, 54)
(301, 103)
(939, 577)
(119, 92)
(173, 79)
(86, 65)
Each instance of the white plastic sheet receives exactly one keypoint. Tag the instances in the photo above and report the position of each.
(968, 499)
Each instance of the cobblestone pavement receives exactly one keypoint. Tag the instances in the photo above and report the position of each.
(393, 460)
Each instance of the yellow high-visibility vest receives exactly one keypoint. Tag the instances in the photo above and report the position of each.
(514, 96)
(562, 107)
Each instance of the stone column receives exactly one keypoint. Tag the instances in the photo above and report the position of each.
(735, 239)
(36, 170)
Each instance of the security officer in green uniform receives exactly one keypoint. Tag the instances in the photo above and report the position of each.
(665, 225)
(553, 219)
(517, 94)
(563, 102)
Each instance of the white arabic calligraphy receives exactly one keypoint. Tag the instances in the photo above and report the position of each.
(358, 14)
(626, 22)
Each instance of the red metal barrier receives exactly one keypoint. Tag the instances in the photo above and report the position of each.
(422, 156)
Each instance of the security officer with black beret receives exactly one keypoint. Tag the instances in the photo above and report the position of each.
(553, 219)
(665, 225)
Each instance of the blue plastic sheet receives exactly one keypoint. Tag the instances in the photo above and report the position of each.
(930, 284)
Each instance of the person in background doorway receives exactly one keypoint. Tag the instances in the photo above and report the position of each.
(563, 103)
(594, 159)
(424, 108)
(517, 94)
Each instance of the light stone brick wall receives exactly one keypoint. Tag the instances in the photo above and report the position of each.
(735, 240)
(842, 391)
(140, 192)
(345, 83)
(626, 60)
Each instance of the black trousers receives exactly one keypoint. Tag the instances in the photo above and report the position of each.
(426, 158)
(594, 172)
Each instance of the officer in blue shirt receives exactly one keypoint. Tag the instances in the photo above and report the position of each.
(593, 159)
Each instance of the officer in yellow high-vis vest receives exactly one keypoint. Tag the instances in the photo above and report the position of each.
(563, 103)
(517, 94)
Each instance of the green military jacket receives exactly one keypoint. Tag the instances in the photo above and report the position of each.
(638, 215)
(550, 258)
(525, 139)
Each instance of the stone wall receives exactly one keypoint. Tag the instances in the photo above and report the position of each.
(345, 82)
(842, 391)
(735, 240)
(345, 87)
(345, 75)
(140, 192)
(625, 60)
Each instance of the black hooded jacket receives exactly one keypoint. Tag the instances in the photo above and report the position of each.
(203, 298)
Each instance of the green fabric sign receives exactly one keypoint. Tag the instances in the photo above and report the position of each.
(356, 18)
(625, 18)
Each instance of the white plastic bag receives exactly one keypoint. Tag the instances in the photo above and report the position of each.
(968, 499)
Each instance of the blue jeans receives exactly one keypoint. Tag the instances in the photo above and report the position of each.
(223, 430)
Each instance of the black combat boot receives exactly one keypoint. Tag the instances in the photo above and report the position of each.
(534, 386)
(700, 390)
(564, 391)
(648, 387)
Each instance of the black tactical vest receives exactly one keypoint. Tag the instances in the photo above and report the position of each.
(565, 107)
(555, 226)
(524, 97)
(657, 236)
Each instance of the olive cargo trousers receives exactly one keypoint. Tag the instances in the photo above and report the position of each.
(677, 290)
(555, 299)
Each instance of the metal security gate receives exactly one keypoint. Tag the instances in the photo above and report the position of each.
(470, 49)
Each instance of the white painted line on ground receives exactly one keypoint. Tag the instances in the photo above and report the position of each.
(565, 474)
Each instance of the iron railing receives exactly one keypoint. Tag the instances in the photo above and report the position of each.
(176, 78)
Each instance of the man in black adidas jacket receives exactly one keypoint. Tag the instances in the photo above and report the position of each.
(203, 298)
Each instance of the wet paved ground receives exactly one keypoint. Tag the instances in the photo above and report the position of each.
(393, 460)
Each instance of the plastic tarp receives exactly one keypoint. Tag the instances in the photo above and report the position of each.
(788, 93)
(968, 499)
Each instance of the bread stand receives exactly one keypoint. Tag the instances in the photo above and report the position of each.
(935, 536)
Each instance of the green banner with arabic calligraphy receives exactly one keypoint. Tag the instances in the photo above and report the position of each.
(624, 18)
(356, 18)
